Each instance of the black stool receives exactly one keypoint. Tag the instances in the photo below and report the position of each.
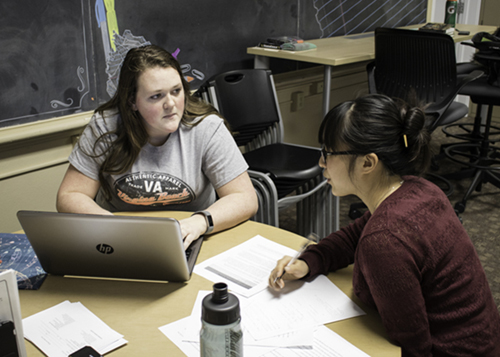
(479, 153)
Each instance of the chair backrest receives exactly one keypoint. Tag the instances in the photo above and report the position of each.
(247, 100)
(409, 62)
(488, 54)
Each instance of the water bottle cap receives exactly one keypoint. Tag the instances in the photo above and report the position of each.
(220, 307)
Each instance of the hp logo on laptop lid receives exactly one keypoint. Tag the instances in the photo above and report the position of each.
(104, 248)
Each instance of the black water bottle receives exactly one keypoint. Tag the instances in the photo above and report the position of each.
(221, 334)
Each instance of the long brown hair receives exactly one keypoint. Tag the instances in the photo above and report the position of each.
(125, 143)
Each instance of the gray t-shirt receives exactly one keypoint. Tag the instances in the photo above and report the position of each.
(179, 175)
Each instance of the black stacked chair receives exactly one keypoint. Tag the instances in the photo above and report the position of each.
(283, 174)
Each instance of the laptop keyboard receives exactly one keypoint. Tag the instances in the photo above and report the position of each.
(188, 252)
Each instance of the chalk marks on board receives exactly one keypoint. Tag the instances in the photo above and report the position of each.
(195, 74)
(336, 18)
(116, 46)
(44, 67)
(57, 103)
(79, 72)
(102, 24)
(122, 45)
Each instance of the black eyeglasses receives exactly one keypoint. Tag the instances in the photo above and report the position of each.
(325, 154)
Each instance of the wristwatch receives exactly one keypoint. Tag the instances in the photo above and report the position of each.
(208, 218)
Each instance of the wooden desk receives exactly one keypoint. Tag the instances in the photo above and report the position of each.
(338, 51)
(341, 50)
(136, 309)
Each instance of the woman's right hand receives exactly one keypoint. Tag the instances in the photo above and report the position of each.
(282, 272)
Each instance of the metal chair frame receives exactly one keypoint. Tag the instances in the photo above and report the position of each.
(313, 198)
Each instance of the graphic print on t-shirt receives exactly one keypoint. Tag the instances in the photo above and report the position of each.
(153, 189)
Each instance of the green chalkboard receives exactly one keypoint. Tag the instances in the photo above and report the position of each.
(46, 63)
(57, 56)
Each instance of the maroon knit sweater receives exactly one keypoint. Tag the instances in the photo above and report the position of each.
(415, 263)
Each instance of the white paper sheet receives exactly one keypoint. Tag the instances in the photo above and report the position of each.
(300, 337)
(67, 327)
(245, 268)
(300, 305)
(326, 344)
(175, 330)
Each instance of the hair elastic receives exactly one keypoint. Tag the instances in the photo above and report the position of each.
(406, 140)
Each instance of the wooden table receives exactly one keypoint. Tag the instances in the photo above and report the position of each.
(137, 309)
(338, 51)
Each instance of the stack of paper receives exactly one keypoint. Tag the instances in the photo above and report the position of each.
(286, 323)
(67, 327)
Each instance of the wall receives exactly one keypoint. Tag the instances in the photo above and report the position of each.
(33, 159)
(35, 190)
(490, 10)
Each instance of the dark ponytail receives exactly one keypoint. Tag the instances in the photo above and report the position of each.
(418, 138)
(390, 128)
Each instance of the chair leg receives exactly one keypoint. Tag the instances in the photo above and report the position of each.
(493, 178)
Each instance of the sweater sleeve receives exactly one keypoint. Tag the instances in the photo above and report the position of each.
(399, 299)
(335, 251)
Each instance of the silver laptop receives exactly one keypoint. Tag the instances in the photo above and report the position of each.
(123, 247)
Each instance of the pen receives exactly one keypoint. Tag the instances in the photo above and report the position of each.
(310, 237)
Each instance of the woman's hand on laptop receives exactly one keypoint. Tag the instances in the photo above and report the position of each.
(192, 228)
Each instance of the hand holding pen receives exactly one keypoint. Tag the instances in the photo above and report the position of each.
(273, 282)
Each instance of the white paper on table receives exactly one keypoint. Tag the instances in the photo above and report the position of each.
(67, 327)
(300, 337)
(271, 320)
(326, 344)
(245, 268)
(174, 331)
(300, 304)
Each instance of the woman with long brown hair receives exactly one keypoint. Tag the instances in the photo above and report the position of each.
(153, 146)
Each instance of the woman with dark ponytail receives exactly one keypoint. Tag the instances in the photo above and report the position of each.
(413, 260)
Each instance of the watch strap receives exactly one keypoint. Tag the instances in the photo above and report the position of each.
(208, 219)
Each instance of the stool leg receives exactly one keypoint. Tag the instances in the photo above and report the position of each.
(476, 132)
(477, 180)
(486, 143)
(481, 174)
